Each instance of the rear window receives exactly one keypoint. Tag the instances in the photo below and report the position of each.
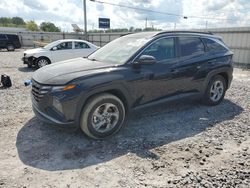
(212, 45)
(191, 46)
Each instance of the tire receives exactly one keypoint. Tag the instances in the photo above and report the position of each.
(102, 116)
(29, 65)
(41, 62)
(10, 47)
(215, 91)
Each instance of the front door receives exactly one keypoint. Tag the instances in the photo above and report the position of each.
(63, 51)
(153, 82)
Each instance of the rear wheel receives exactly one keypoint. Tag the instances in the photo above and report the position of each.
(10, 47)
(215, 91)
(103, 115)
(41, 62)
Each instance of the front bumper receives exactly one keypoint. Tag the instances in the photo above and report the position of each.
(28, 60)
(55, 107)
(50, 120)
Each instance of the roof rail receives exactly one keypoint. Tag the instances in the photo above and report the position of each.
(180, 31)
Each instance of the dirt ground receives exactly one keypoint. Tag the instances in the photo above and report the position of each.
(171, 145)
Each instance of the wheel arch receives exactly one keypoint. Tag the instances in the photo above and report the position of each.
(225, 76)
(119, 92)
(45, 57)
(225, 72)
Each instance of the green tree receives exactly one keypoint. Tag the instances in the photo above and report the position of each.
(32, 26)
(4, 21)
(49, 27)
(17, 21)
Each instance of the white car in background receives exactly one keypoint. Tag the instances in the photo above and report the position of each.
(58, 51)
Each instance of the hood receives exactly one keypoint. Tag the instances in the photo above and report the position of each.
(62, 72)
(33, 51)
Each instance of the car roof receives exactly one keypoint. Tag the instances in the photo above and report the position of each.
(170, 33)
(68, 40)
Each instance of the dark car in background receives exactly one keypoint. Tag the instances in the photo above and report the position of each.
(9, 42)
(134, 71)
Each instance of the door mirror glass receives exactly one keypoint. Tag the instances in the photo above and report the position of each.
(146, 60)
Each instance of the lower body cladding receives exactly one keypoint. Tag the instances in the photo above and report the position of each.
(57, 109)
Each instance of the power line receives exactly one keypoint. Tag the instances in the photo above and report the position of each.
(159, 12)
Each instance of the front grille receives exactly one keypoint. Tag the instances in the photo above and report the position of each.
(38, 90)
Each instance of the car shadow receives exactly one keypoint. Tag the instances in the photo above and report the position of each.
(49, 148)
(26, 69)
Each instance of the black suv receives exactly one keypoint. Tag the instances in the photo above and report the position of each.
(9, 42)
(134, 71)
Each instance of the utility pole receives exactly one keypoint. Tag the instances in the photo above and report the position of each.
(206, 24)
(85, 19)
(146, 23)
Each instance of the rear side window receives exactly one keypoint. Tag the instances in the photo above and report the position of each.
(162, 49)
(213, 46)
(81, 45)
(191, 46)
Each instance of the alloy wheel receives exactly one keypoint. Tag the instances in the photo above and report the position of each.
(105, 117)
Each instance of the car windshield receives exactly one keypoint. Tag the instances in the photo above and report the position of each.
(119, 50)
(51, 45)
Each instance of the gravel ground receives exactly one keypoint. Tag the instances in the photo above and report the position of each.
(172, 145)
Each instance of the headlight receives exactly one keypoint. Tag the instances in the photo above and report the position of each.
(63, 88)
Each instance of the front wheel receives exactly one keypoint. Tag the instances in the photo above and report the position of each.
(215, 91)
(41, 62)
(103, 115)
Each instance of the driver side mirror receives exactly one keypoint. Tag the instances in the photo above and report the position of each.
(146, 60)
(54, 48)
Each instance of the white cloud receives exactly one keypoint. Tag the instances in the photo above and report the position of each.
(65, 12)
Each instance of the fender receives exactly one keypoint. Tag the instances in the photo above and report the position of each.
(119, 86)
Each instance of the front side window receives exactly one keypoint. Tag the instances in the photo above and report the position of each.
(162, 49)
(64, 46)
(81, 45)
(190, 46)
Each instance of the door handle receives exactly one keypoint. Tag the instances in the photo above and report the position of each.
(174, 71)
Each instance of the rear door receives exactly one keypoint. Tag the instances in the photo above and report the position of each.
(191, 53)
(64, 51)
(3, 41)
(81, 49)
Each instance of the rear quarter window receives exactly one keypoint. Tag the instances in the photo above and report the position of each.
(213, 46)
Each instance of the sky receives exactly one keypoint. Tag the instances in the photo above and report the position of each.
(212, 13)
